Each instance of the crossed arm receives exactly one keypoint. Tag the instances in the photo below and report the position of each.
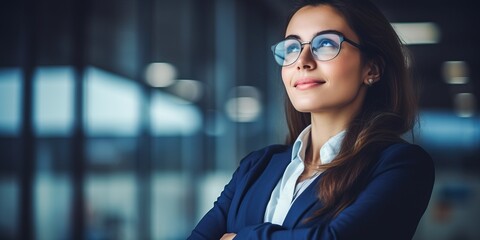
(389, 207)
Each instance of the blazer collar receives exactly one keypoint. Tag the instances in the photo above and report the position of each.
(248, 208)
(267, 182)
(302, 204)
(253, 192)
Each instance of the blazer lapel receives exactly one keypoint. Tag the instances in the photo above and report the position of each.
(248, 207)
(302, 204)
(266, 183)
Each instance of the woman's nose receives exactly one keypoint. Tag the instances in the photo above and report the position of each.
(306, 59)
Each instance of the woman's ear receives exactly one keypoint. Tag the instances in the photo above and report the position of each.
(372, 73)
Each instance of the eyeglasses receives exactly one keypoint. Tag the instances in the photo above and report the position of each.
(324, 47)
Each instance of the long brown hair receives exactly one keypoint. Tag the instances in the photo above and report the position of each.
(388, 111)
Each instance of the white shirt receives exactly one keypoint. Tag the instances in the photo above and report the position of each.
(287, 190)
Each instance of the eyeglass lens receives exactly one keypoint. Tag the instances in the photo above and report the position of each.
(324, 47)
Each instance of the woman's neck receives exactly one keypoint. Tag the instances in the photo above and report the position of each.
(323, 128)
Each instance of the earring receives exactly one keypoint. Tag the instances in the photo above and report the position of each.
(370, 81)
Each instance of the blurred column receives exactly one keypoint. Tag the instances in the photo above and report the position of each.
(144, 158)
(224, 81)
(26, 166)
(81, 8)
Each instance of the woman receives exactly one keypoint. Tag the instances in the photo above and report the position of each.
(345, 172)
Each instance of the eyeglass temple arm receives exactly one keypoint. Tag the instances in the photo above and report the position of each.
(352, 43)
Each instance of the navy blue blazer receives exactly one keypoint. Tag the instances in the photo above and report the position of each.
(390, 207)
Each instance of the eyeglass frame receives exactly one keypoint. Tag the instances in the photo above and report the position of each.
(302, 44)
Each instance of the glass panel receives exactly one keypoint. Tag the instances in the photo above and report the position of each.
(10, 100)
(172, 116)
(111, 188)
(9, 202)
(112, 104)
(453, 211)
(53, 101)
(166, 153)
(169, 207)
(210, 186)
(52, 189)
(111, 206)
(52, 206)
(447, 137)
(10, 117)
(111, 154)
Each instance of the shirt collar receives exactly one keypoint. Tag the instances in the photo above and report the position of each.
(328, 151)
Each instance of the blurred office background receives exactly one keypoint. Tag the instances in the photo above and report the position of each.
(124, 119)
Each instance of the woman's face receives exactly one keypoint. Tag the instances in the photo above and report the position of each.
(335, 86)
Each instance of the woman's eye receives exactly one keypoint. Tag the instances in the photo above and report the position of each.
(326, 43)
(292, 48)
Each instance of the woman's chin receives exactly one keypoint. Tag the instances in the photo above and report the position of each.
(304, 109)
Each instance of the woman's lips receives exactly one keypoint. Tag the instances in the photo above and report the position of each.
(307, 83)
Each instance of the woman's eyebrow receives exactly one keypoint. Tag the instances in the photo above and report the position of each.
(294, 36)
(328, 31)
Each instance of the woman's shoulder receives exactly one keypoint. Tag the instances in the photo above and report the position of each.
(405, 149)
(272, 149)
(264, 155)
(405, 154)
(268, 151)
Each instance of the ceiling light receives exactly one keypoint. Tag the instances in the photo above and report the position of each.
(190, 90)
(160, 74)
(418, 33)
(455, 72)
(465, 104)
(244, 105)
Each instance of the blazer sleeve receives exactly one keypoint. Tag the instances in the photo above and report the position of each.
(390, 206)
(214, 224)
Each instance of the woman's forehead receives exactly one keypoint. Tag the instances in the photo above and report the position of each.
(310, 20)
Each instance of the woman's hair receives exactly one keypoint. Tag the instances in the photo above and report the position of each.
(389, 109)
